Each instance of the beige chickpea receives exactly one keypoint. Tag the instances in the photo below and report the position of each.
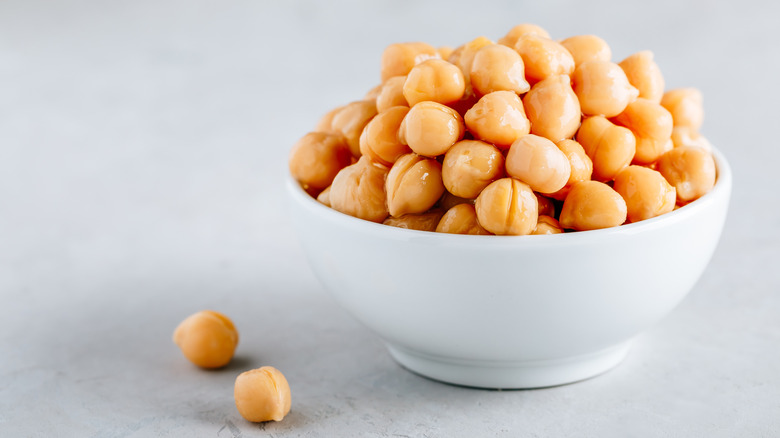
(547, 225)
(584, 48)
(469, 166)
(498, 118)
(602, 88)
(422, 222)
(610, 147)
(413, 185)
(207, 338)
(539, 163)
(351, 120)
(379, 140)
(448, 200)
(359, 191)
(373, 93)
(553, 108)
(461, 219)
(391, 94)
(686, 136)
(325, 124)
(652, 126)
(690, 170)
(324, 197)
(434, 80)
(592, 205)
(317, 158)
(685, 104)
(463, 57)
(543, 57)
(546, 206)
(496, 68)
(262, 394)
(398, 59)
(581, 166)
(646, 192)
(445, 51)
(431, 128)
(511, 37)
(508, 207)
(643, 73)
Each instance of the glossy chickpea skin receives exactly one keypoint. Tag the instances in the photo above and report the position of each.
(391, 94)
(602, 88)
(690, 170)
(539, 163)
(208, 339)
(584, 48)
(553, 108)
(461, 219)
(511, 37)
(469, 166)
(686, 136)
(463, 58)
(498, 118)
(652, 126)
(431, 128)
(581, 166)
(685, 105)
(379, 139)
(413, 185)
(434, 80)
(359, 191)
(646, 192)
(643, 73)
(508, 207)
(610, 147)
(351, 120)
(317, 158)
(547, 225)
(543, 57)
(422, 222)
(496, 68)
(592, 205)
(262, 394)
(398, 59)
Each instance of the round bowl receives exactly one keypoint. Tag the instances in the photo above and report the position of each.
(511, 311)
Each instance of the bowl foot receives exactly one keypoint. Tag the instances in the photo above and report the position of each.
(510, 374)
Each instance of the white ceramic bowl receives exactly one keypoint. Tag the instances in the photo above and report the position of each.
(511, 312)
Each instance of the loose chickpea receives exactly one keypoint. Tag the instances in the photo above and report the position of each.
(359, 191)
(546, 205)
(379, 140)
(646, 192)
(262, 394)
(543, 57)
(507, 206)
(686, 136)
(498, 118)
(643, 73)
(652, 126)
(685, 104)
(448, 200)
(584, 48)
(413, 185)
(431, 128)
(539, 163)
(592, 205)
(324, 197)
(469, 166)
(423, 221)
(461, 219)
(398, 59)
(547, 225)
(690, 170)
(611, 148)
(351, 120)
(553, 108)
(207, 338)
(602, 88)
(510, 39)
(325, 124)
(434, 80)
(581, 166)
(391, 94)
(496, 68)
(317, 158)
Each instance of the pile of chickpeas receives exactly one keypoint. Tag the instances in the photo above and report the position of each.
(526, 135)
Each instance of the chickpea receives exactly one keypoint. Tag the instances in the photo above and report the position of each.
(379, 140)
(351, 120)
(510, 39)
(543, 57)
(602, 88)
(398, 59)
(324, 197)
(553, 108)
(547, 225)
(445, 51)
(434, 80)
(207, 338)
(592, 205)
(581, 166)
(685, 104)
(317, 158)
(496, 68)
(391, 94)
(690, 170)
(584, 48)
(448, 200)
(359, 191)
(463, 58)
(413, 185)
(262, 394)
(686, 136)
(423, 222)
(546, 205)
(431, 128)
(325, 124)
(498, 118)
(507, 206)
(539, 163)
(643, 73)
(652, 126)
(461, 219)
(611, 148)
(469, 166)
(646, 192)
(373, 93)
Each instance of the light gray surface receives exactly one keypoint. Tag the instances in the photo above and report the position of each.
(142, 151)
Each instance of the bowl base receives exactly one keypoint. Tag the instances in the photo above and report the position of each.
(510, 374)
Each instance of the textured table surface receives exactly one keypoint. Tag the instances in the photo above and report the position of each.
(143, 149)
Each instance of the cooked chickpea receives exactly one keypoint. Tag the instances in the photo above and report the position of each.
(448, 200)
(469, 166)
(207, 338)
(498, 118)
(685, 104)
(539, 163)
(507, 206)
(379, 140)
(547, 225)
(464, 55)
(543, 57)
(444, 51)
(510, 39)
(646, 192)
(359, 191)
(496, 68)
(652, 126)
(391, 94)
(434, 80)
(324, 197)
(398, 59)
(413, 185)
(461, 219)
(325, 124)
(351, 120)
(553, 108)
(581, 166)
(422, 222)
(643, 73)
(373, 93)
(610, 147)
(584, 48)
(592, 205)
(686, 136)
(602, 88)
(690, 170)
(317, 158)
(262, 394)
(431, 128)
(546, 205)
